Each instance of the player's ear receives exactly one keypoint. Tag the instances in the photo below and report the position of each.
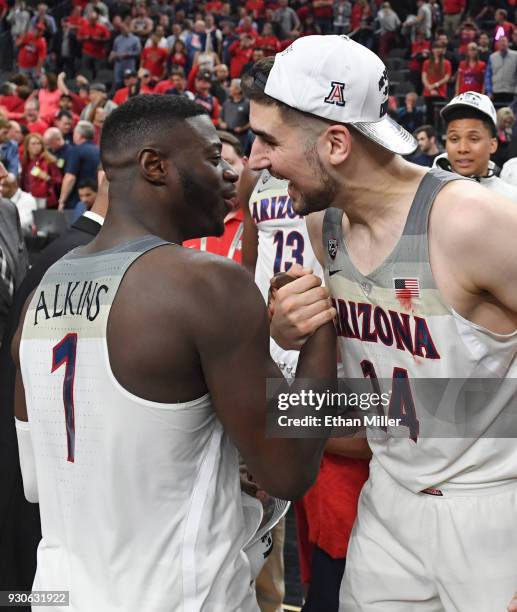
(338, 142)
(493, 146)
(152, 166)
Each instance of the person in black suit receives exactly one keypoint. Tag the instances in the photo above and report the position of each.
(20, 530)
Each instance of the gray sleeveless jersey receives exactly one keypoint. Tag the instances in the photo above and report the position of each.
(394, 325)
(140, 501)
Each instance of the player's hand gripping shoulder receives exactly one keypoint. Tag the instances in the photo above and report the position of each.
(298, 306)
(512, 606)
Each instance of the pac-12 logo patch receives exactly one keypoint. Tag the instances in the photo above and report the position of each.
(332, 247)
(337, 94)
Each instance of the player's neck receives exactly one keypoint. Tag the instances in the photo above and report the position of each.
(372, 191)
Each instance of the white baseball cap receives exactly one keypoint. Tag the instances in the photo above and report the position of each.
(471, 99)
(338, 79)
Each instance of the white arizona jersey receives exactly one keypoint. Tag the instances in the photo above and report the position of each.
(394, 325)
(282, 241)
(140, 501)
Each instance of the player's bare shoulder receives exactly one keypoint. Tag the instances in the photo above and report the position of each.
(465, 213)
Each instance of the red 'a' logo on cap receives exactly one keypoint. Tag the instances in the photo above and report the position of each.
(336, 95)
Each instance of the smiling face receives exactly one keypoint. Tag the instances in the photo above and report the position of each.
(290, 151)
(469, 146)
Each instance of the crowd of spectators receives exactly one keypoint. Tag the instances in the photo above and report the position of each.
(68, 66)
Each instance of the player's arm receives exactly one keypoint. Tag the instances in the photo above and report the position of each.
(233, 343)
(290, 327)
(476, 236)
(23, 433)
(247, 183)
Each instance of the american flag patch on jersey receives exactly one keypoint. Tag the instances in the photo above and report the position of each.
(407, 287)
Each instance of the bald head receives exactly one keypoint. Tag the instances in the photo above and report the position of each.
(53, 138)
(9, 185)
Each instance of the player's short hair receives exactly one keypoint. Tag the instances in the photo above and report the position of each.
(89, 183)
(231, 140)
(428, 129)
(141, 118)
(464, 112)
(253, 84)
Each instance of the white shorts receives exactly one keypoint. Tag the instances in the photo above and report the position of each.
(424, 553)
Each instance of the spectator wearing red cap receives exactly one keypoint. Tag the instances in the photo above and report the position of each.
(154, 58)
(94, 37)
(32, 52)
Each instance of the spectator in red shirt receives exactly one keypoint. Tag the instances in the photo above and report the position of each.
(471, 72)
(94, 38)
(32, 52)
(40, 175)
(256, 8)
(202, 96)
(361, 10)
(268, 41)
(502, 26)
(241, 52)
(436, 73)
(322, 11)
(31, 118)
(246, 27)
(10, 100)
(130, 81)
(420, 51)
(230, 243)
(468, 33)
(48, 97)
(452, 13)
(154, 58)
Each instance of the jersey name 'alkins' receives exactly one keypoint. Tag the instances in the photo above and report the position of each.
(74, 298)
(374, 324)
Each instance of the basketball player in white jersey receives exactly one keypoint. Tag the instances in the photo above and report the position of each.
(142, 369)
(422, 269)
(275, 237)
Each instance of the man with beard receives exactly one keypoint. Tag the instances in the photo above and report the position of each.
(154, 359)
(410, 257)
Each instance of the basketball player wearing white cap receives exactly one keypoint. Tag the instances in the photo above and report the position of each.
(471, 140)
(422, 269)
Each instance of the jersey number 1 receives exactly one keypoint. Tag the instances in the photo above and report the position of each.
(64, 353)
